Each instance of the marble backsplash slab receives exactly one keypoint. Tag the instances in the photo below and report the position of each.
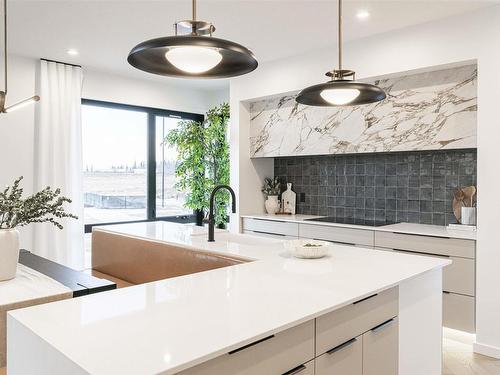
(423, 111)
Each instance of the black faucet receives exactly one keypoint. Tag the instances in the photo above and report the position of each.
(211, 218)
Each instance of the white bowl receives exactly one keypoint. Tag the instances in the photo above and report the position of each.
(308, 249)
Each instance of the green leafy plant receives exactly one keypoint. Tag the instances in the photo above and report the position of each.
(271, 186)
(203, 163)
(46, 206)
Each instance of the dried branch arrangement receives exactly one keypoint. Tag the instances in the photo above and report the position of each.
(45, 206)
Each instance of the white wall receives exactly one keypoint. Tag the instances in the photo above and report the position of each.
(466, 37)
(17, 128)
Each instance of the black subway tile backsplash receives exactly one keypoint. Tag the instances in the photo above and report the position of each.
(414, 187)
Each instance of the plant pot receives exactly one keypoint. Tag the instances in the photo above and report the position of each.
(9, 253)
(272, 204)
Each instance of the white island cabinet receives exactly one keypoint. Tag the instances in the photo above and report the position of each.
(356, 311)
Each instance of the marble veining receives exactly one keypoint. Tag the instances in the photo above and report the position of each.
(423, 111)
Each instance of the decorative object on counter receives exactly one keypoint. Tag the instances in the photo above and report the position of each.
(464, 202)
(271, 189)
(192, 52)
(46, 206)
(3, 94)
(289, 198)
(308, 249)
(342, 89)
(203, 161)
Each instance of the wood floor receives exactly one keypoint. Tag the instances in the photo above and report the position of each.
(458, 358)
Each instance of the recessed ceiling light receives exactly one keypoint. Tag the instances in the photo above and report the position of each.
(72, 52)
(363, 14)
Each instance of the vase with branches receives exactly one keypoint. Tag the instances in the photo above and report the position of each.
(203, 160)
(45, 206)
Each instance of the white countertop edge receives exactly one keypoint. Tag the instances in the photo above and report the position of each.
(406, 228)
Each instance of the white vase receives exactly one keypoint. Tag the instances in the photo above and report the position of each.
(272, 204)
(9, 253)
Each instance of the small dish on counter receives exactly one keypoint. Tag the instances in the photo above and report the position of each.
(308, 249)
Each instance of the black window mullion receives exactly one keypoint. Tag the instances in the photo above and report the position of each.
(151, 173)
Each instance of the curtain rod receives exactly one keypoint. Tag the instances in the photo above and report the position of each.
(60, 62)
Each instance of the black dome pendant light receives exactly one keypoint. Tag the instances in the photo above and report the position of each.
(342, 89)
(193, 53)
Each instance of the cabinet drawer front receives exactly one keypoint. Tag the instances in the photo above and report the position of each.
(459, 312)
(277, 355)
(460, 276)
(337, 234)
(426, 244)
(381, 350)
(271, 226)
(347, 360)
(341, 325)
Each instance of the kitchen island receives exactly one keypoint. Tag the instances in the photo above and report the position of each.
(286, 314)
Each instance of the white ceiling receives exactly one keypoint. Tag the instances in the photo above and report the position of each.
(104, 31)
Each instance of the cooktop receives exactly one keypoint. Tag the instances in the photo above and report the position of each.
(345, 220)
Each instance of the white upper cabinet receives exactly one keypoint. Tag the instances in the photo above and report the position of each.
(423, 111)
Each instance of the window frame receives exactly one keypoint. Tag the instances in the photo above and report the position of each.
(151, 158)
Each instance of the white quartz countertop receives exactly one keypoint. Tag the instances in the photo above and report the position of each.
(408, 228)
(166, 326)
(30, 285)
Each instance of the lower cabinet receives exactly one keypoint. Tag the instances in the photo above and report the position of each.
(375, 352)
(346, 359)
(381, 349)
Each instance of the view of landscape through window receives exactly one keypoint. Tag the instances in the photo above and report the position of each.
(115, 166)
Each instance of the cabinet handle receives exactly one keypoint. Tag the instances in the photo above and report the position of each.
(421, 235)
(364, 299)
(339, 242)
(382, 325)
(446, 292)
(295, 370)
(422, 253)
(251, 344)
(274, 234)
(342, 346)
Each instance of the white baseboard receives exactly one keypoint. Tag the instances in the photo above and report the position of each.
(488, 350)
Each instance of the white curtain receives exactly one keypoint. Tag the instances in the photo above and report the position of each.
(58, 160)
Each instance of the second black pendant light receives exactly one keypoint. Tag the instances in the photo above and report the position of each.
(342, 89)
(193, 53)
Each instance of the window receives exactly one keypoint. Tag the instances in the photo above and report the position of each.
(129, 173)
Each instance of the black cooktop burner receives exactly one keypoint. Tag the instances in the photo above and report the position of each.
(345, 220)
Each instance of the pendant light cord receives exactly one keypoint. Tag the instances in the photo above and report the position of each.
(194, 10)
(340, 34)
(5, 43)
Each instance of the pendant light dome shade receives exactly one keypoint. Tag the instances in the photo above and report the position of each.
(343, 88)
(192, 56)
(338, 93)
(192, 53)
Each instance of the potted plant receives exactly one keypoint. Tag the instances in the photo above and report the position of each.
(46, 206)
(271, 190)
(203, 161)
